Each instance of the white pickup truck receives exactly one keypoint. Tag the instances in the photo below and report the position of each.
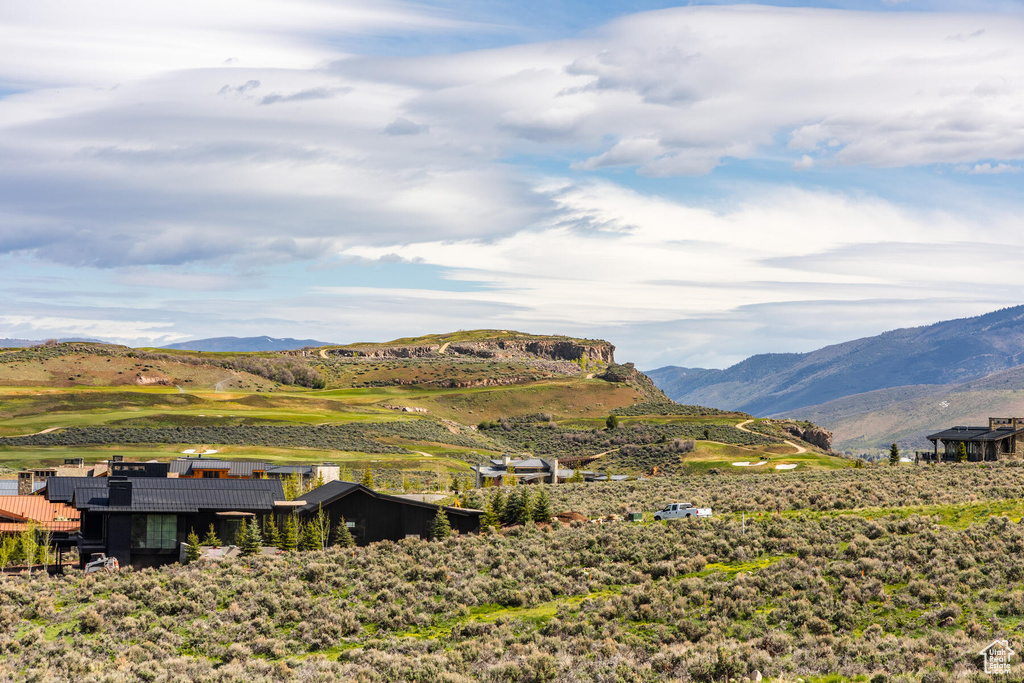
(680, 511)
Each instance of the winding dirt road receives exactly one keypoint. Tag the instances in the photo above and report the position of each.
(799, 449)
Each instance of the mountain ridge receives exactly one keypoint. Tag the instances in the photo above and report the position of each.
(943, 353)
(244, 344)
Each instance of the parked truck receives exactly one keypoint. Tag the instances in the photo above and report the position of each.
(681, 511)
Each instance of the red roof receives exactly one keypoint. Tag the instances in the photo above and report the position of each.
(17, 511)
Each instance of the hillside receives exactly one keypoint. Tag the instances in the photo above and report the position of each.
(905, 415)
(950, 352)
(410, 408)
(244, 344)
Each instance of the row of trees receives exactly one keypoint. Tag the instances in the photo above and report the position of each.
(31, 546)
(519, 507)
(294, 534)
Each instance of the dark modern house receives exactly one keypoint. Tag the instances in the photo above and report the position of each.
(373, 516)
(144, 521)
(1003, 438)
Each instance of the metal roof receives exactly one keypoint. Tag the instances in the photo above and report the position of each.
(235, 468)
(974, 434)
(183, 495)
(335, 490)
(53, 516)
(9, 487)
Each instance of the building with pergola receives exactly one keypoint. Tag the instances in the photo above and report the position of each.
(1002, 439)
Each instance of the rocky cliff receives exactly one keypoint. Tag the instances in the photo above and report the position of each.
(812, 434)
(599, 351)
(499, 349)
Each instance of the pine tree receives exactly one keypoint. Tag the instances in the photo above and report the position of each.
(342, 536)
(577, 477)
(441, 527)
(250, 541)
(308, 539)
(271, 535)
(367, 479)
(290, 537)
(499, 503)
(292, 486)
(490, 518)
(894, 455)
(524, 511)
(542, 508)
(319, 481)
(612, 422)
(508, 513)
(211, 538)
(961, 452)
(192, 551)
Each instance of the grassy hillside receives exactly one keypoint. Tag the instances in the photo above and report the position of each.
(390, 414)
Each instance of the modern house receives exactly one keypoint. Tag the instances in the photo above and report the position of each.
(1003, 438)
(199, 467)
(144, 521)
(30, 478)
(373, 516)
(499, 471)
(17, 513)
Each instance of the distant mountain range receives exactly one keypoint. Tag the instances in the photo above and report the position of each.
(21, 343)
(241, 344)
(873, 373)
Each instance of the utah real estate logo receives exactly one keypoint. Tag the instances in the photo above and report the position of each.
(997, 657)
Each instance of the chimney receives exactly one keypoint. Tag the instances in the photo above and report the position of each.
(26, 482)
(119, 492)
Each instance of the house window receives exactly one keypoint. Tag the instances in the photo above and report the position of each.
(211, 474)
(155, 531)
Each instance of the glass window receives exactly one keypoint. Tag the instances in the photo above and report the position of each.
(155, 531)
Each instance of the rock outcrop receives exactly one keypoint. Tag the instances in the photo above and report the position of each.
(812, 434)
(555, 349)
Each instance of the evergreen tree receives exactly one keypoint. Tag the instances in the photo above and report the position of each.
(894, 455)
(509, 512)
(367, 479)
(490, 517)
(271, 535)
(211, 538)
(308, 539)
(290, 537)
(292, 486)
(498, 503)
(524, 511)
(577, 477)
(342, 536)
(542, 507)
(961, 452)
(612, 422)
(441, 527)
(192, 551)
(250, 541)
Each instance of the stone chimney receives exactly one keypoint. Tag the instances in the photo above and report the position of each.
(26, 482)
(119, 492)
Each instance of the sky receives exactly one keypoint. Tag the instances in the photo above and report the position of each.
(694, 182)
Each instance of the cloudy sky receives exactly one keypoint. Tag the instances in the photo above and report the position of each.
(695, 183)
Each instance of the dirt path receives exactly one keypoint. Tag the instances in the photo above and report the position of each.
(799, 449)
(45, 431)
(444, 347)
(323, 353)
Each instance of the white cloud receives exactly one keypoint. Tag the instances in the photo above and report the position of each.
(993, 169)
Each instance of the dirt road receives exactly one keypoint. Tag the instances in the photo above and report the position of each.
(799, 449)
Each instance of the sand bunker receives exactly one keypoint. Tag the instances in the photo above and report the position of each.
(747, 464)
(211, 452)
(189, 451)
(785, 467)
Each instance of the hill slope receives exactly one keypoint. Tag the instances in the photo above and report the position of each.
(950, 352)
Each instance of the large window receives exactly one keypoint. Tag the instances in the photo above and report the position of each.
(155, 531)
